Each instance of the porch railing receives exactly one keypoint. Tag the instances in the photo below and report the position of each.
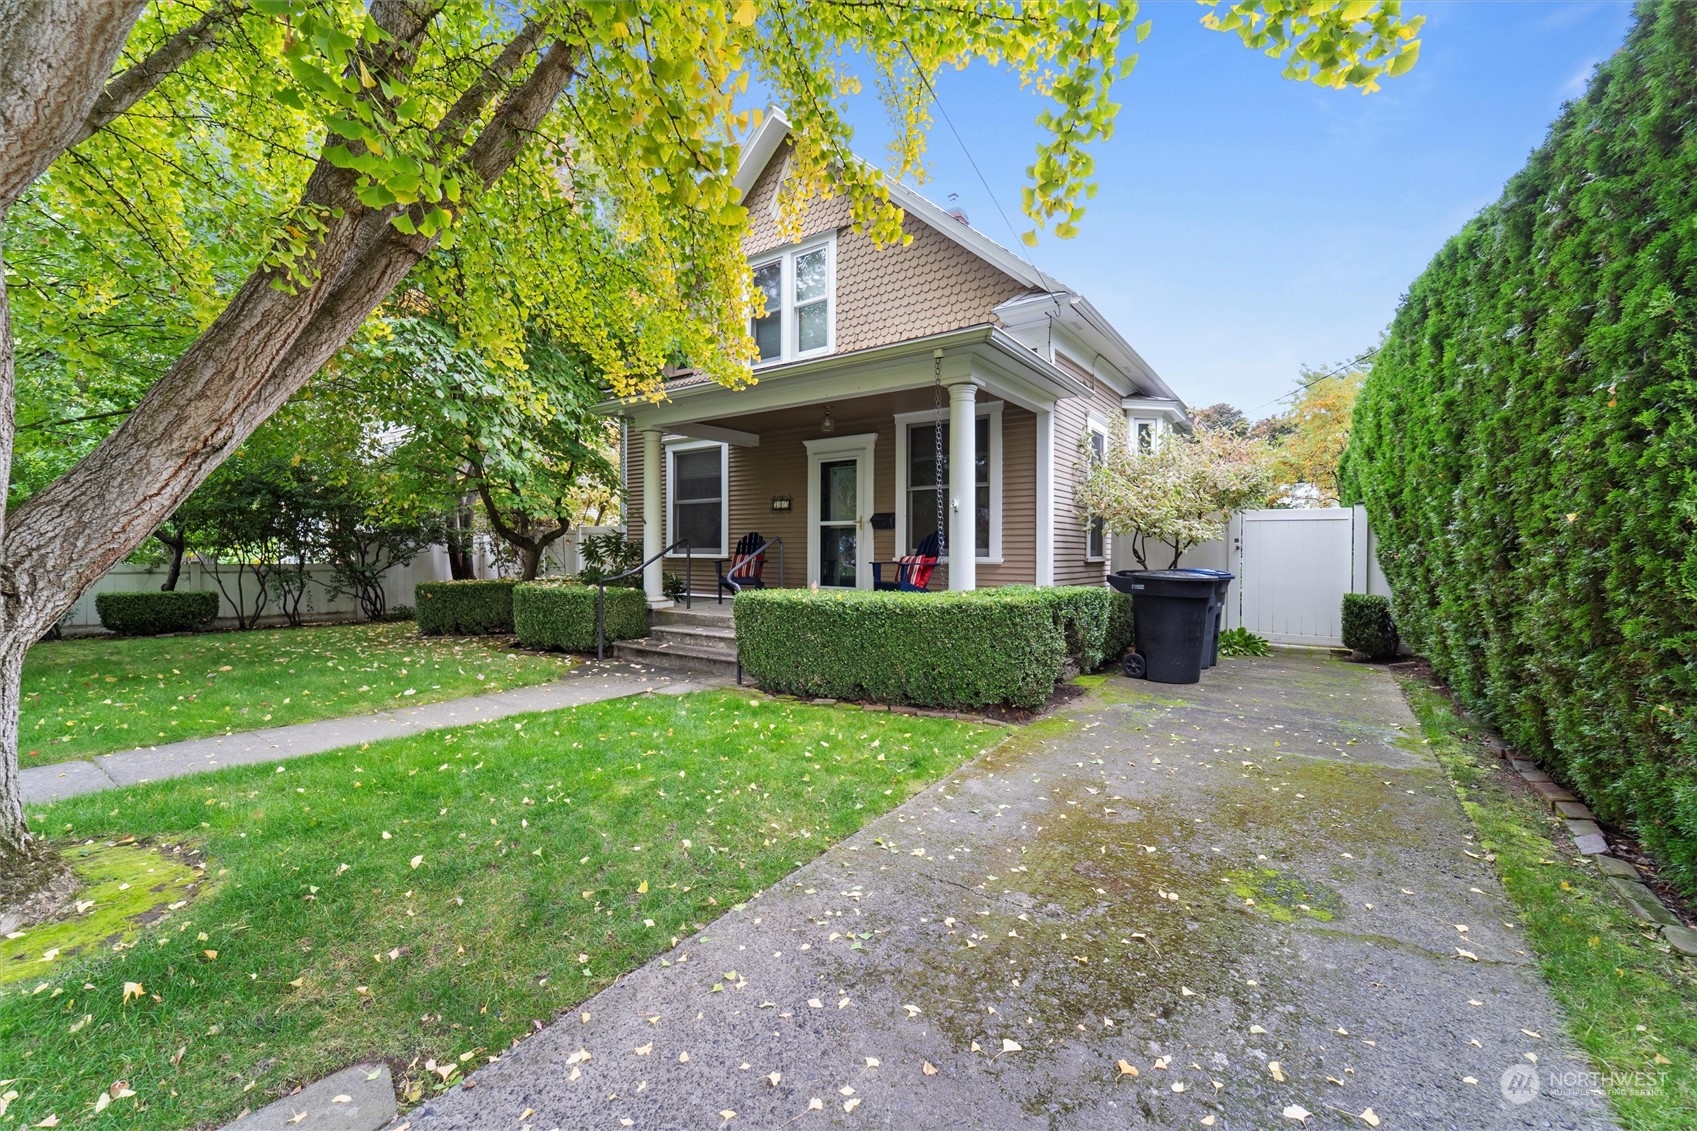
(601, 589)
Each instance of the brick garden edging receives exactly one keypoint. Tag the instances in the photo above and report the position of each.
(1589, 840)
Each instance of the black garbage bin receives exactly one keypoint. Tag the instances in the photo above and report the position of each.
(1222, 586)
(1170, 611)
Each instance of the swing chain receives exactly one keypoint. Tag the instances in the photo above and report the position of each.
(937, 437)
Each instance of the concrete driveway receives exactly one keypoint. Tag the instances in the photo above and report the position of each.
(1217, 906)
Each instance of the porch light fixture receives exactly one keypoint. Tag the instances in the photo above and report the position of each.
(827, 425)
(780, 502)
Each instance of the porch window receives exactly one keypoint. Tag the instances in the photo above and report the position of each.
(1096, 537)
(1145, 435)
(925, 478)
(697, 479)
(799, 285)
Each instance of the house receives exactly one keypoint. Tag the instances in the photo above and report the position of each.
(877, 368)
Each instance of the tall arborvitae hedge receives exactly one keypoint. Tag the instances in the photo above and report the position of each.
(1527, 447)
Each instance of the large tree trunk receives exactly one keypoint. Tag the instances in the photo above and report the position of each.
(258, 352)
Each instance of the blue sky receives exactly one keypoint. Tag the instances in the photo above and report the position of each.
(1248, 225)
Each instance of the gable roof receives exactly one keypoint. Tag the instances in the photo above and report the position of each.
(1068, 305)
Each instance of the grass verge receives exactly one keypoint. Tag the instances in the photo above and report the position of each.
(1630, 1003)
(427, 899)
(94, 696)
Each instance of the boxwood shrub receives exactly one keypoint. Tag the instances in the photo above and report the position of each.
(1082, 613)
(149, 613)
(464, 608)
(1526, 446)
(1119, 635)
(560, 615)
(1368, 627)
(926, 649)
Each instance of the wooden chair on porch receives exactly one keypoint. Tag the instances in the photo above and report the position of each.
(913, 573)
(743, 571)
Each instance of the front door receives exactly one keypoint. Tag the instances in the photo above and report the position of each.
(839, 502)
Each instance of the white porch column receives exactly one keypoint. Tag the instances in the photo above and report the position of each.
(1046, 497)
(653, 520)
(963, 489)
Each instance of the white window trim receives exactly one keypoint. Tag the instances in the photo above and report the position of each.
(672, 449)
(1133, 423)
(905, 421)
(1098, 426)
(862, 446)
(786, 290)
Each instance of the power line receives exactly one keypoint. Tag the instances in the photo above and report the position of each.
(1344, 368)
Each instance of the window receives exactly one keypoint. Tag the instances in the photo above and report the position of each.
(799, 286)
(1144, 436)
(919, 476)
(1096, 535)
(696, 475)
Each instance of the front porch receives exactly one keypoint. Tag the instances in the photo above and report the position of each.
(836, 469)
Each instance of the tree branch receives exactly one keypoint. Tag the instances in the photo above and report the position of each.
(132, 84)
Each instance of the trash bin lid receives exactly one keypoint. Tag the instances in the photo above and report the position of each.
(1180, 583)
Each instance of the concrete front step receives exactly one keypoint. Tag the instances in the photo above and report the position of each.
(706, 612)
(661, 653)
(701, 635)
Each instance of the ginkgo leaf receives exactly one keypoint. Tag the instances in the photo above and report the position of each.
(928, 1068)
(1370, 1118)
(1278, 1073)
(1011, 1046)
(774, 1077)
(642, 889)
(133, 990)
(850, 1105)
(417, 860)
(727, 1114)
(1127, 1069)
(100, 1102)
(815, 1104)
(872, 1062)
(1207, 1121)
(1298, 1113)
(1467, 954)
(913, 1010)
(644, 1050)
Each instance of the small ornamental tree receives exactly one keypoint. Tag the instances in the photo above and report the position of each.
(1174, 497)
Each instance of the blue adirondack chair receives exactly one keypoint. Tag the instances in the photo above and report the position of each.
(913, 573)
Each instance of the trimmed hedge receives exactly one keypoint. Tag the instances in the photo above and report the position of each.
(560, 615)
(464, 608)
(1120, 634)
(945, 649)
(1367, 625)
(1527, 448)
(150, 613)
(1082, 613)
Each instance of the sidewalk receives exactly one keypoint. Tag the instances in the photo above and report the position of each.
(1229, 905)
(587, 683)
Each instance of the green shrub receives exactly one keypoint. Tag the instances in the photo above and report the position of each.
(1082, 613)
(945, 649)
(464, 608)
(1526, 442)
(1120, 632)
(397, 613)
(1240, 641)
(150, 613)
(560, 615)
(1368, 627)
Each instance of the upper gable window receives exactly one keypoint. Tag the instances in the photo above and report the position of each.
(800, 288)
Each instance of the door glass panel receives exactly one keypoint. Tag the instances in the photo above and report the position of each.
(839, 522)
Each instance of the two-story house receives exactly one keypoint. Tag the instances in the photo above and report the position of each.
(945, 380)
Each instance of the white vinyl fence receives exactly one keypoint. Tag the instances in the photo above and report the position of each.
(432, 565)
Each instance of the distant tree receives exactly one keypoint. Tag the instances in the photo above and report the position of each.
(1221, 417)
(1174, 497)
(1308, 441)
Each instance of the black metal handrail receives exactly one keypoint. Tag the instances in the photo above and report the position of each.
(601, 589)
(761, 549)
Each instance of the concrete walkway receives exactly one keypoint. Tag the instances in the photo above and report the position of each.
(1228, 907)
(586, 683)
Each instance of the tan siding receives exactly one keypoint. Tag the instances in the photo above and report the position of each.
(1072, 420)
(1019, 502)
(927, 287)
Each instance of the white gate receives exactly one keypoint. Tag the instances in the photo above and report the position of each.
(1294, 567)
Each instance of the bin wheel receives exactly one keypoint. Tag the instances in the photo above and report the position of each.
(1133, 665)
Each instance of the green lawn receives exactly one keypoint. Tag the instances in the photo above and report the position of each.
(94, 696)
(423, 899)
(1630, 1003)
